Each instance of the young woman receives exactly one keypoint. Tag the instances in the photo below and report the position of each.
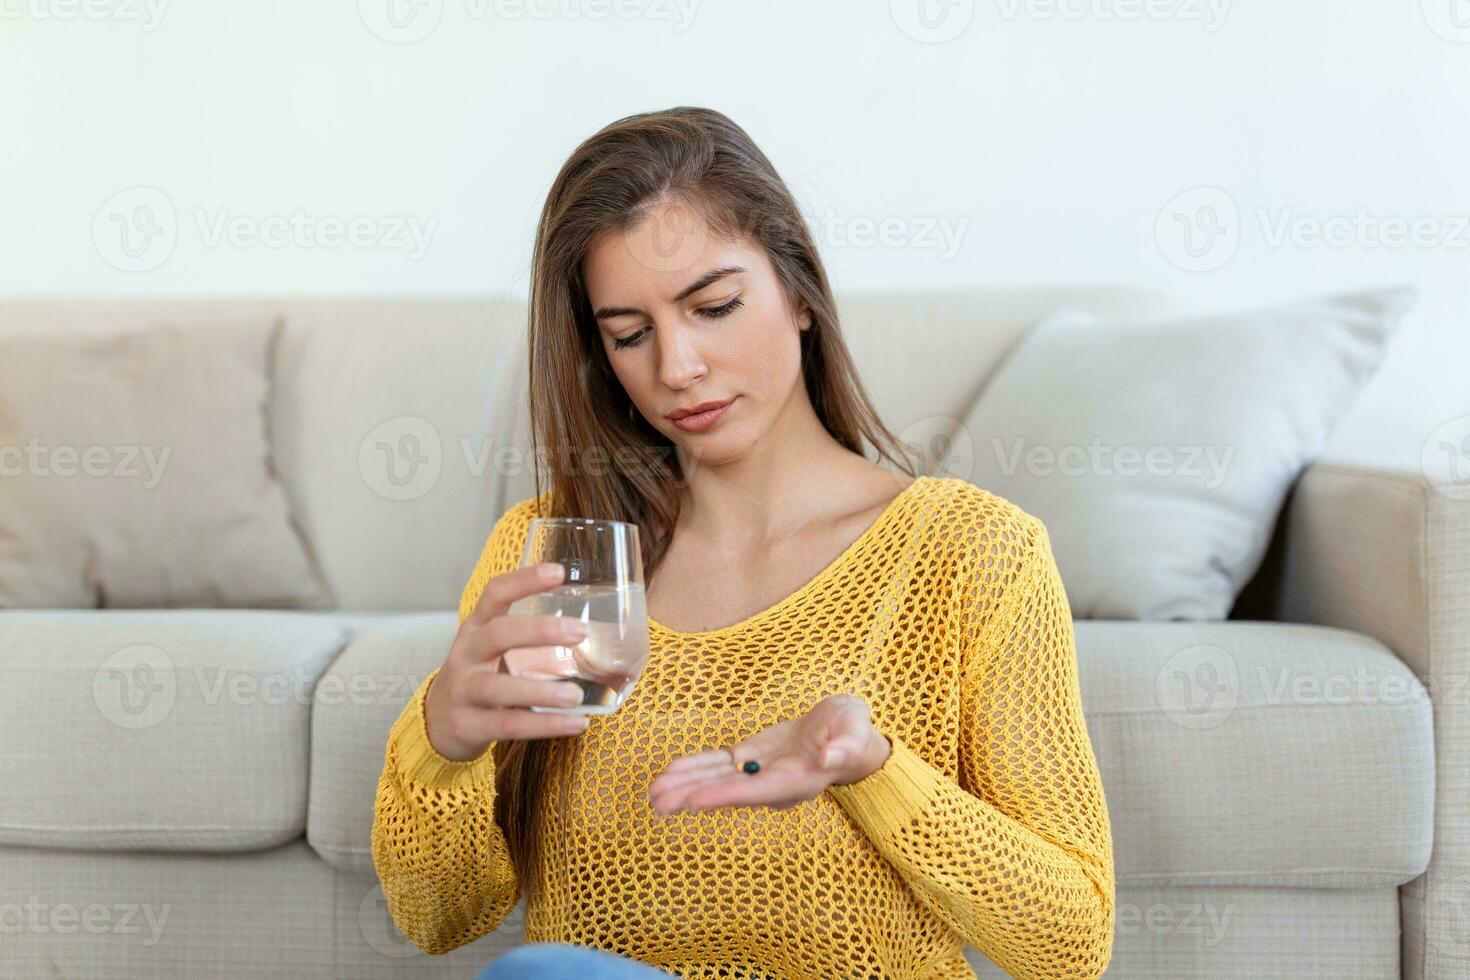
(894, 651)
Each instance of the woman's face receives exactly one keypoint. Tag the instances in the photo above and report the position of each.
(687, 318)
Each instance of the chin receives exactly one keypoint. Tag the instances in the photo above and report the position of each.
(714, 451)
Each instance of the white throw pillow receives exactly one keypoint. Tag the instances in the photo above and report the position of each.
(135, 470)
(1158, 453)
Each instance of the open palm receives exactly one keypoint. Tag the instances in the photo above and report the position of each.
(833, 743)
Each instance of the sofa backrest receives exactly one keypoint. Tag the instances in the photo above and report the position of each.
(399, 426)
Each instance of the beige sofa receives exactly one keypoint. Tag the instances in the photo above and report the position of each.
(231, 838)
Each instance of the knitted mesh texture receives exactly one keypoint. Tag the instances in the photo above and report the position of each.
(987, 824)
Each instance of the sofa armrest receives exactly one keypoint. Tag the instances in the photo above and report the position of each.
(1386, 552)
(1383, 552)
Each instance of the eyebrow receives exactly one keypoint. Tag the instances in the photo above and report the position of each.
(685, 293)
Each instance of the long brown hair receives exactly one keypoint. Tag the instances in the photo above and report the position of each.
(582, 418)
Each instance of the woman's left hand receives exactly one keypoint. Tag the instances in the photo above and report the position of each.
(833, 743)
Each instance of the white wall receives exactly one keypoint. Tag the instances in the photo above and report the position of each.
(1050, 135)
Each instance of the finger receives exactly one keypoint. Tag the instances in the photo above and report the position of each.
(506, 632)
(485, 688)
(768, 787)
(543, 662)
(507, 587)
(521, 724)
(667, 781)
(670, 797)
(839, 751)
(700, 760)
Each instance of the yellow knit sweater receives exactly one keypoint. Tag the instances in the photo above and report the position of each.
(987, 824)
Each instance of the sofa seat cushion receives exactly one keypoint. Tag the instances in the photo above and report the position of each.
(1232, 753)
(1256, 753)
(168, 730)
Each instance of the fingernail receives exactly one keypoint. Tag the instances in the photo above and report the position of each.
(834, 758)
(550, 570)
(573, 629)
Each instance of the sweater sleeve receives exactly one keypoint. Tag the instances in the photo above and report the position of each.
(1017, 854)
(442, 859)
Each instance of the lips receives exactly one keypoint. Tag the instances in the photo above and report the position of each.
(695, 421)
(680, 413)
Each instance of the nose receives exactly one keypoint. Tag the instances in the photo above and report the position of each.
(679, 361)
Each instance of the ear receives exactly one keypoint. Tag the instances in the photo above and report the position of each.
(805, 319)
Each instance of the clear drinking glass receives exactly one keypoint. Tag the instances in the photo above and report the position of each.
(603, 587)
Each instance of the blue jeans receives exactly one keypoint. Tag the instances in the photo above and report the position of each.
(565, 961)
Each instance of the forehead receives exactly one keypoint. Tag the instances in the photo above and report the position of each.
(669, 248)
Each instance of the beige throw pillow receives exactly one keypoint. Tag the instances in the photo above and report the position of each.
(135, 470)
(1159, 452)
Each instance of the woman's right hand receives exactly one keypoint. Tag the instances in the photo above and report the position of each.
(474, 701)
